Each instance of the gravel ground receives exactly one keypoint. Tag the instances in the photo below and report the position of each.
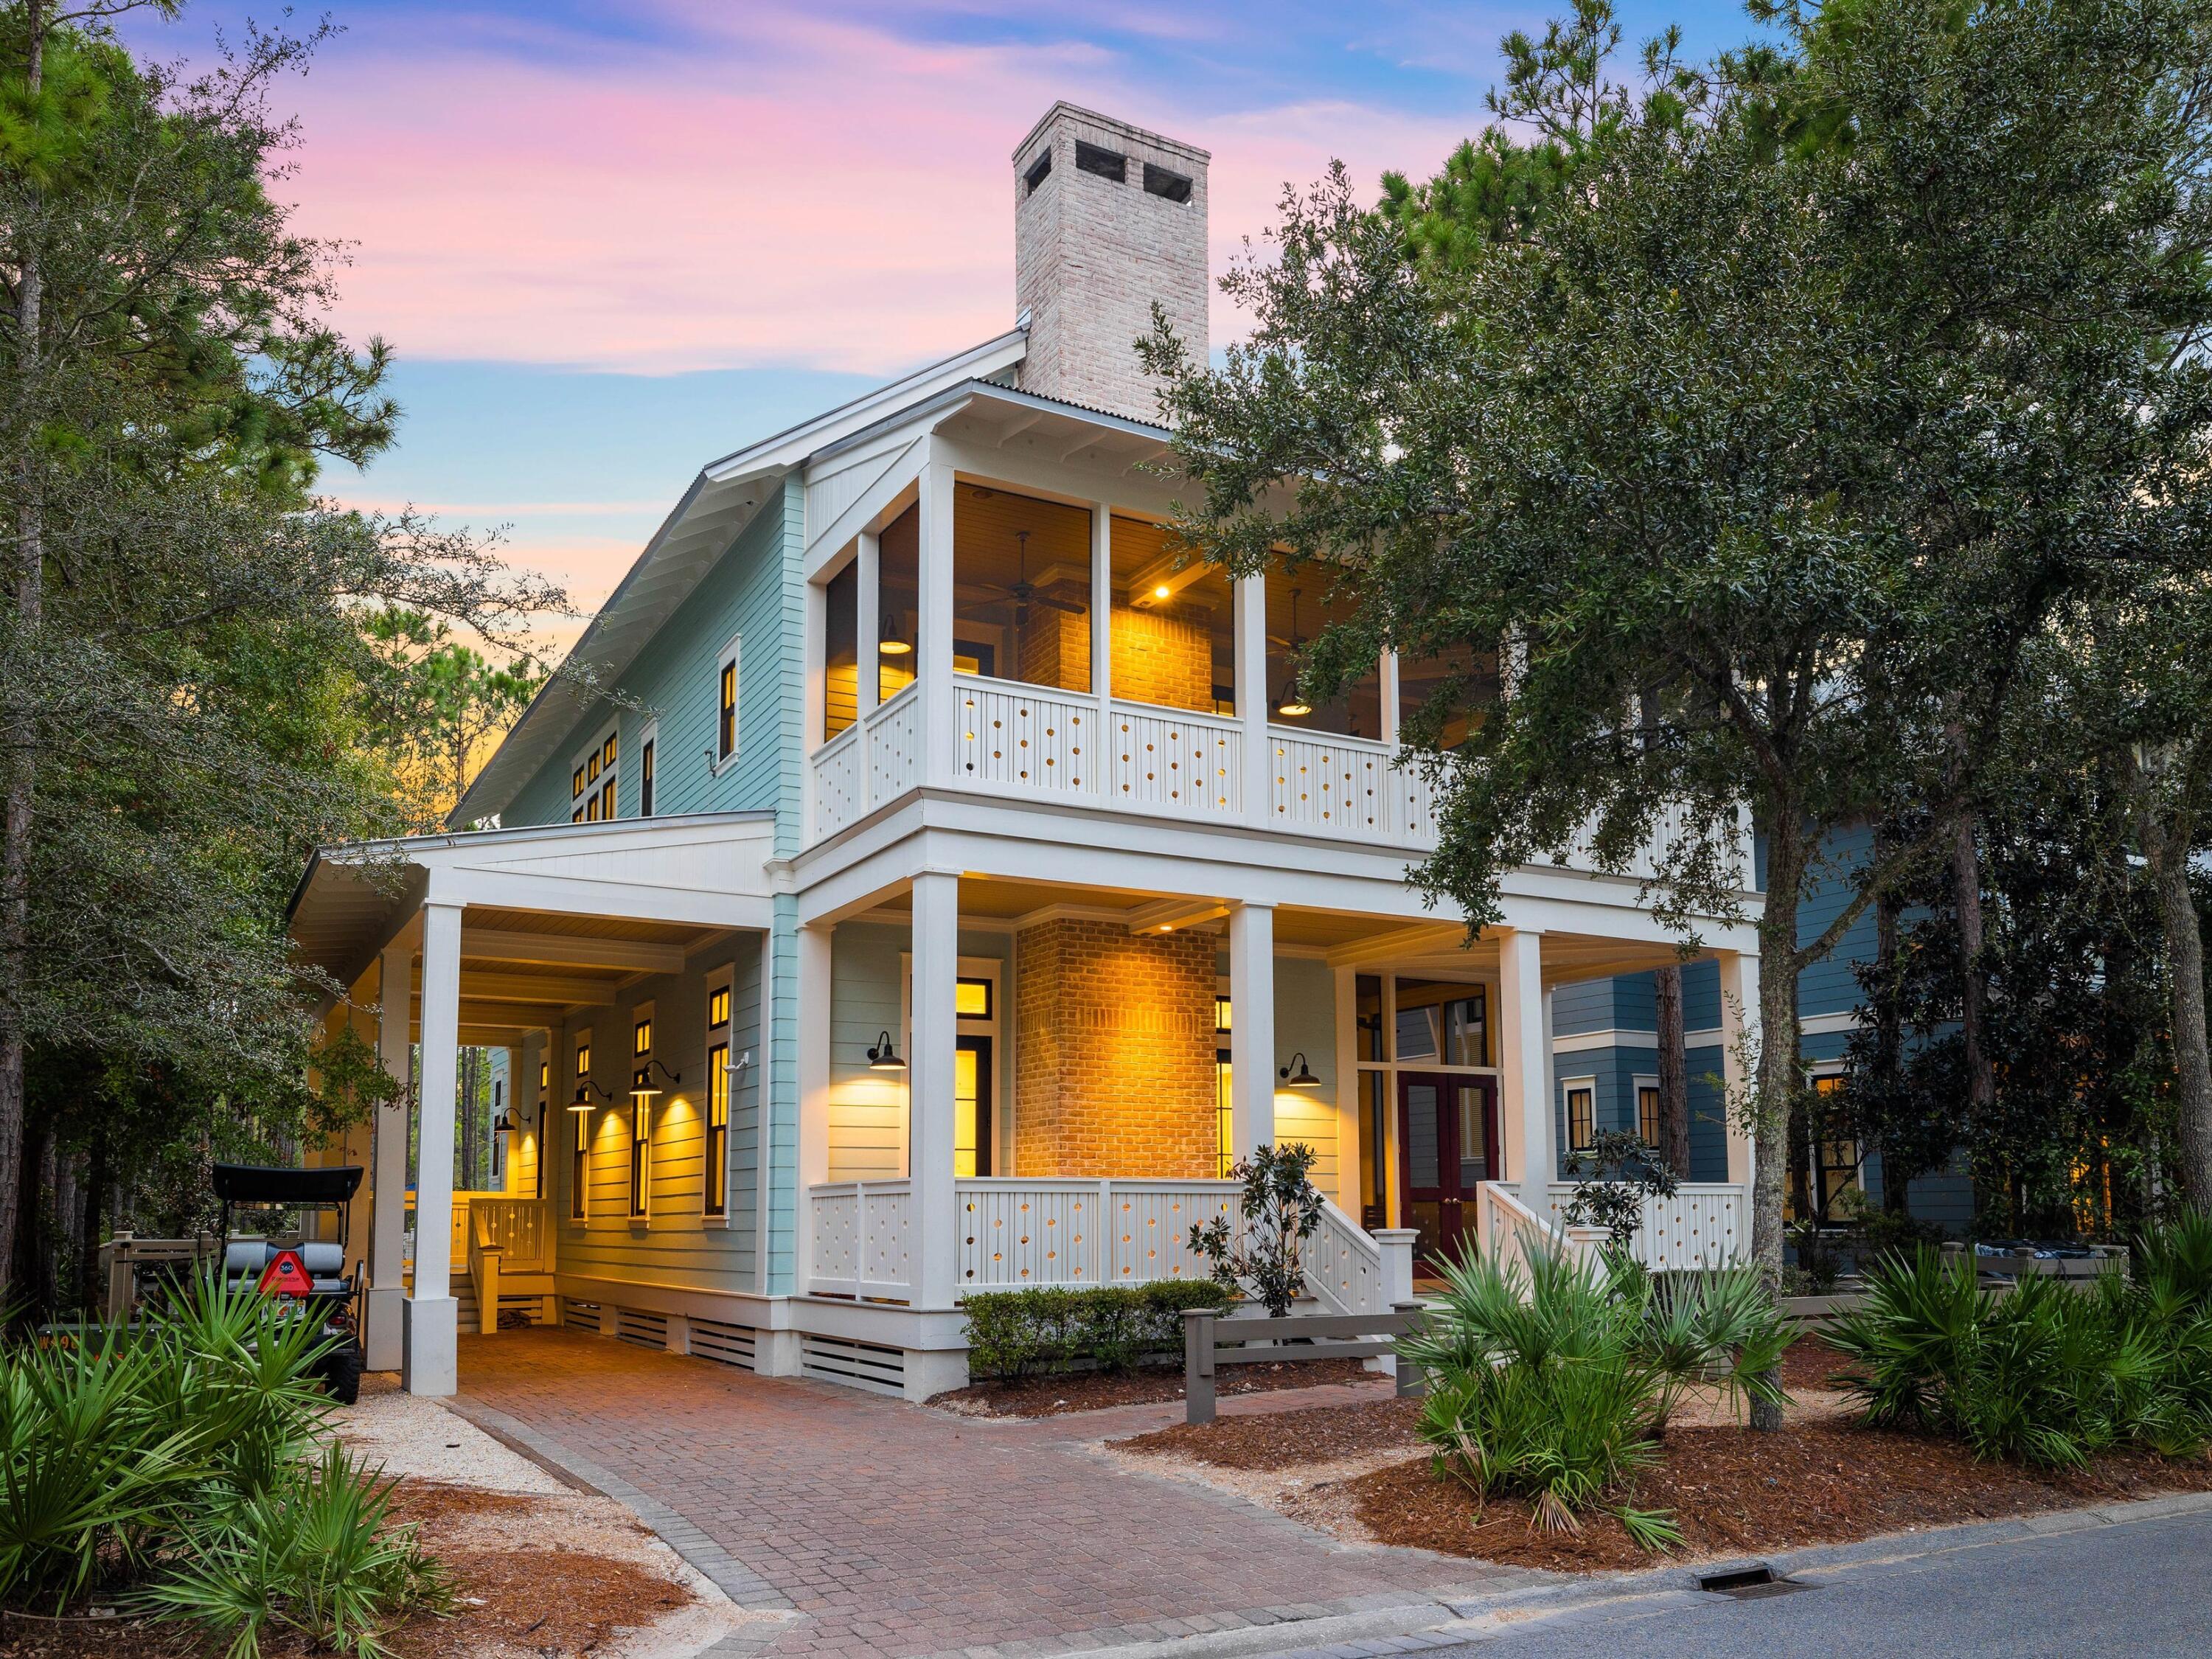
(419, 1438)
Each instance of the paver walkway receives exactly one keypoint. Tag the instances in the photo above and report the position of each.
(899, 1530)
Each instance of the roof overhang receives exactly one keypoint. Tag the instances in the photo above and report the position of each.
(721, 503)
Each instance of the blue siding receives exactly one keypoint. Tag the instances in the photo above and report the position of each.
(1587, 1006)
(756, 592)
(1829, 986)
(1614, 1071)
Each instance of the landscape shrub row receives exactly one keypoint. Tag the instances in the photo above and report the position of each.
(1115, 1327)
(185, 1469)
(2048, 1373)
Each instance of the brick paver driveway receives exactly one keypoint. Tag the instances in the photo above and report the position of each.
(900, 1530)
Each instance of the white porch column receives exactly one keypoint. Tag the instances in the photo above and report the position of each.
(429, 1363)
(1251, 1026)
(933, 663)
(1100, 771)
(1252, 692)
(815, 947)
(1524, 1068)
(929, 1087)
(1740, 1039)
(387, 1175)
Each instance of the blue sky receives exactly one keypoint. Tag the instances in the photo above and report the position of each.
(609, 242)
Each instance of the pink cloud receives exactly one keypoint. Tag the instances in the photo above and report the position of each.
(816, 192)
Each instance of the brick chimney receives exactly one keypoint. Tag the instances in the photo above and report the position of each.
(1108, 220)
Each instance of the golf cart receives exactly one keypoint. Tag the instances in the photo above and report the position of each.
(311, 1274)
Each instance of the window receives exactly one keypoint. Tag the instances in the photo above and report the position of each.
(645, 776)
(971, 1106)
(1299, 606)
(640, 1150)
(898, 589)
(1648, 1129)
(971, 999)
(1225, 1115)
(1582, 1116)
(592, 785)
(540, 1151)
(716, 1193)
(641, 1039)
(1367, 1017)
(1040, 170)
(579, 1115)
(1448, 1024)
(1106, 163)
(498, 1140)
(725, 705)
(1159, 181)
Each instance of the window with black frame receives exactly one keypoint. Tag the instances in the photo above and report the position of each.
(715, 1197)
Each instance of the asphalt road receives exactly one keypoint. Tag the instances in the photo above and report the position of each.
(2137, 1588)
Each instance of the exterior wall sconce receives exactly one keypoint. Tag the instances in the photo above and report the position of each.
(506, 1123)
(885, 1058)
(645, 1091)
(585, 1090)
(1296, 1076)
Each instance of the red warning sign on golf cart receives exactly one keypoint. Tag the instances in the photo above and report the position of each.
(286, 1276)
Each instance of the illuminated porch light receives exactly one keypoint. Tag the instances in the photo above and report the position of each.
(891, 645)
(1290, 703)
(585, 1090)
(1163, 592)
(643, 1079)
(1296, 1076)
(883, 1057)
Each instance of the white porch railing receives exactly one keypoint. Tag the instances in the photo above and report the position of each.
(1505, 1227)
(1705, 1224)
(1015, 1233)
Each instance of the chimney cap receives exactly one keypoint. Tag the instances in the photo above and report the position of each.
(1062, 110)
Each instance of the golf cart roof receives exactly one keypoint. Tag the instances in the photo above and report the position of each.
(247, 1184)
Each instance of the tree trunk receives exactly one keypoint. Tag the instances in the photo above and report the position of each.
(1888, 1040)
(1973, 976)
(15, 823)
(1673, 1071)
(1775, 1083)
(2168, 854)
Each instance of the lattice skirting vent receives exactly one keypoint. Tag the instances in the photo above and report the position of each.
(640, 1329)
(723, 1343)
(862, 1365)
(579, 1315)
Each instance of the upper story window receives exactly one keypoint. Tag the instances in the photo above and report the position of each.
(726, 704)
(591, 784)
(648, 757)
(840, 650)
(1174, 625)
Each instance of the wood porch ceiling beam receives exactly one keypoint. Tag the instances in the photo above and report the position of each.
(1175, 915)
(566, 988)
(1420, 939)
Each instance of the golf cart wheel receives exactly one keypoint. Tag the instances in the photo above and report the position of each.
(342, 1376)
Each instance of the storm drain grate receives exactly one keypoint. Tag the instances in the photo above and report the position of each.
(1750, 1583)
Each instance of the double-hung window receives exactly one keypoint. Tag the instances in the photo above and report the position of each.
(726, 704)
(591, 784)
(640, 1117)
(1582, 1116)
(715, 1198)
(579, 1143)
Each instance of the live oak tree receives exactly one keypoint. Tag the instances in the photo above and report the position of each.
(182, 662)
(1755, 455)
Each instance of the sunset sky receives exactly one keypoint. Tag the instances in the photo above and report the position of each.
(609, 241)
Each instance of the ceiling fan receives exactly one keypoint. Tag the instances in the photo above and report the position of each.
(1024, 593)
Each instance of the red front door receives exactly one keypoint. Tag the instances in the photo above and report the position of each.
(1448, 1145)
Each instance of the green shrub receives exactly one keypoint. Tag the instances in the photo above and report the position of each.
(187, 1462)
(1115, 1327)
(2050, 1373)
(312, 1555)
(1551, 1381)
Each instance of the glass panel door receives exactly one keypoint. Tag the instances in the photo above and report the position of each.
(1448, 1127)
(971, 1107)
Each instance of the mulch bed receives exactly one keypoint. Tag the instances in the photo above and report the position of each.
(1810, 1363)
(1091, 1391)
(1734, 1492)
(556, 1600)
(1285, 1440)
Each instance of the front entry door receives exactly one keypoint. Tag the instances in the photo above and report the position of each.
(1448, 1136)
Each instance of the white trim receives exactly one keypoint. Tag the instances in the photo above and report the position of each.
(1583, 1042)
(1827, 1024)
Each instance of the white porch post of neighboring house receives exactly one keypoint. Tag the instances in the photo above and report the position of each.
(1524, 1067)
(929, 1126)
(382, 1310)
(1251, 1027)
(430, 1363)
(1740, 1037)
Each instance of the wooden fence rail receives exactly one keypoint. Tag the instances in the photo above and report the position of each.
(1209, 1340)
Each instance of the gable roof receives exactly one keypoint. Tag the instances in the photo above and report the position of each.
(722, 501)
